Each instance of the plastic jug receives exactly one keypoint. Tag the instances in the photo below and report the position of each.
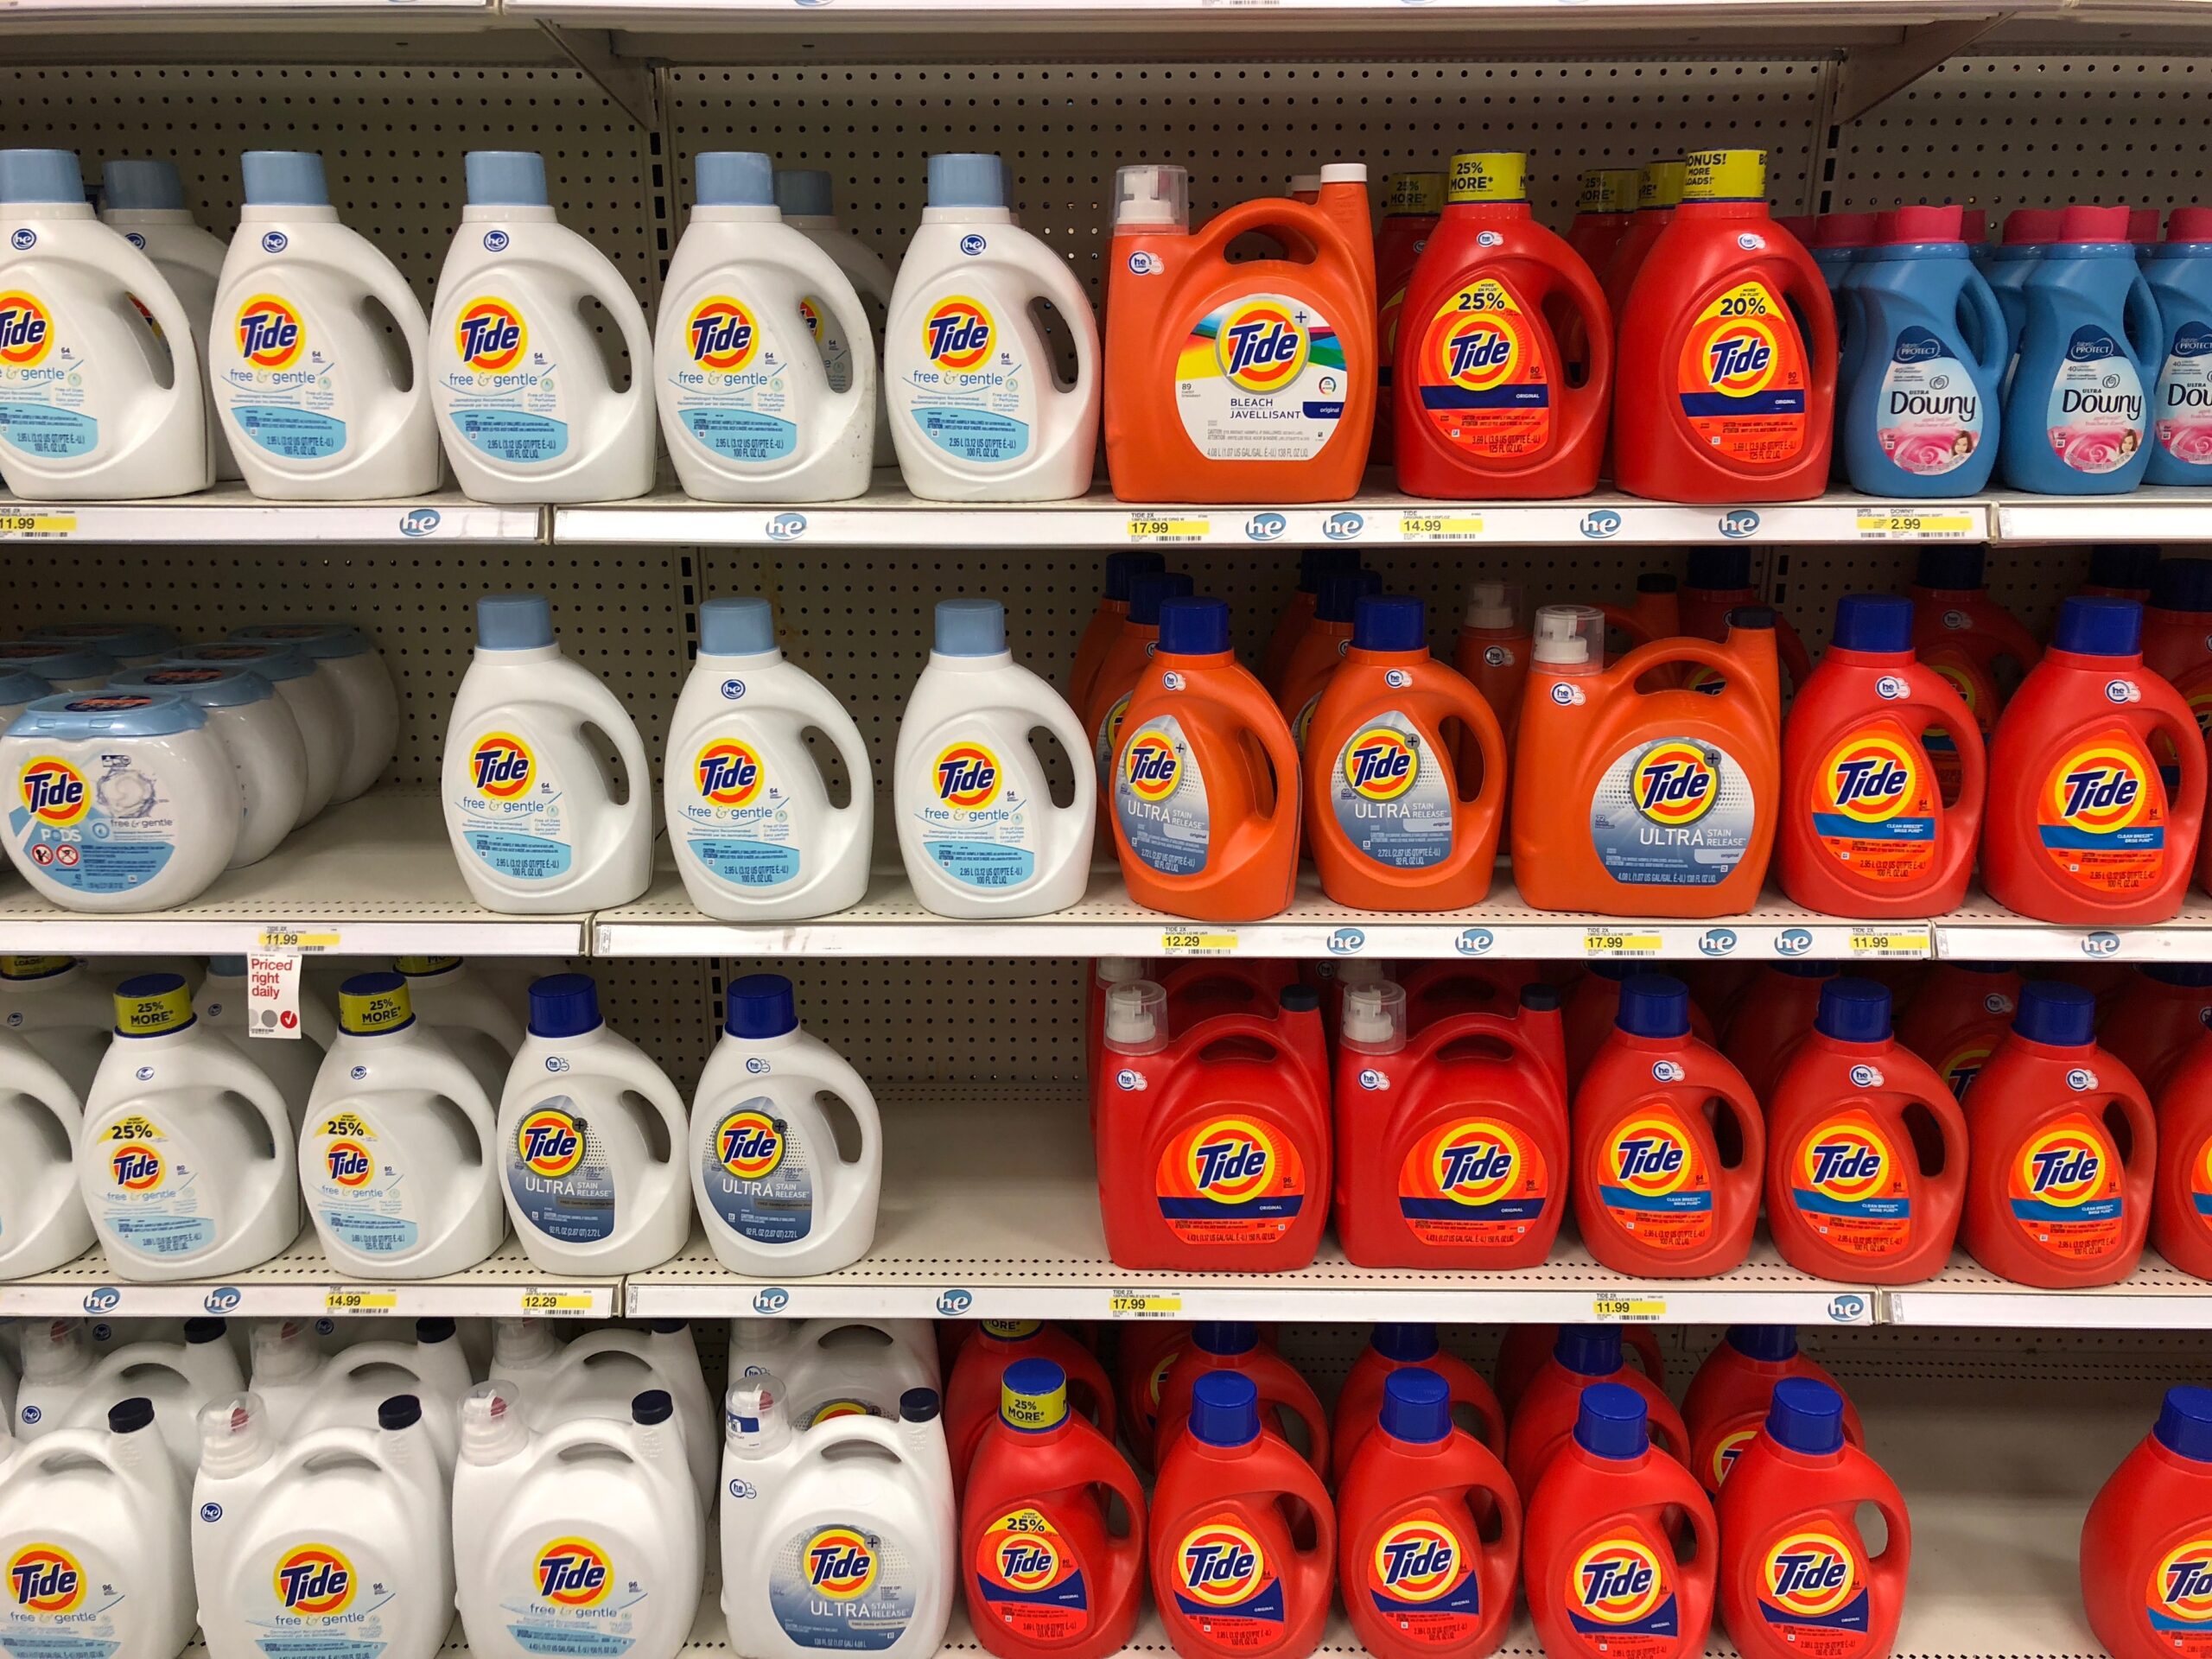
(1716, 583)
(1729, 1396)
(1096, 643)
(1596, 1004)
(973, 1390)
(778, 1194)
(1492, 651)
(2027, 236)
(810, 206)
(1525, 1349)
(1773, 1017)
(1959, 1014)
(1411, 205)
(186, 1158)
(2052, 1200)
(1315, 565)
(42, 1112)
(1658, 193)
(1288, 1405)
(1605, 211)
(536, 820)
(525, 390)
(66, 1386)
(748, 406)
(145, 199)
(2144, 1540)
(311, 700)
(597, 1373)
(1545, 1415)
(2163, 1009)
(2181, 1208)
(978, 828)
(2179, 270)
(318, 399)
(836, 1368)
(2120, 570)
(2177, 643)
(1245, 380)
(249, 719)
(1320, 649)
(67, 1016)
(1391, 1350)
(478, 1019)
(978, 411)
(302, 1390)
(1971, 640)
(100, 398)
(594, 1185)
(1122, 666)
(221, 1005)
(348, 662)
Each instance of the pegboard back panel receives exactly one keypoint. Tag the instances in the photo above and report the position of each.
(2027, 580)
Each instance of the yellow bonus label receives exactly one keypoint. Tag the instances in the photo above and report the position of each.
(1892, 941)
(1439, 527)
(557, 1301)
(1630, 1308)
(1879, 526)
(38, 524)
(1596, 942)
(285, 937)
(1143, 528)
(1197, 945)
(1144, 1304)
(354, 1299)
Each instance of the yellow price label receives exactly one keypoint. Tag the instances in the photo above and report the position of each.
(38, 524)
(353, 1298)
(1950, 526)
(1197, 945)
(1634, 1309)
(1596, 942)
(1892, 941)
(1144, 1304)
(296, 940)
(556, 1302)
(1439, 526)
(1143, 527)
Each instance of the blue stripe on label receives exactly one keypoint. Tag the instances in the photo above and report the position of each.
(2095, 1210)
(1820, 1204)
(1673, 1203)
(1834, 823)
(2106, 841)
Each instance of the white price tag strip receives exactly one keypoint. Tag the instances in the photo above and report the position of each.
(1197, 945)
(1144, 1304)
(1628, 1310)
(359, 1298)
(1147, 527)
(1901, 941)
(1598, 942)
(1914, 526)
(272, 994)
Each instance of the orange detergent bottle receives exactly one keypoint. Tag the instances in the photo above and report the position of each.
(1429, 1531)
(1288, 1405)
(1315, 564)
(1865, 830)
(2080, 828)
(1867, 1150)
(1971, 640)
(1729, 1397)
(1669, 1147)
(2065, 1151)
(1205, 780)
(1046, 1574)
(1726, 390)
(2158, 1019)
(1596, 1004)
(1251, 381)
(1453, 1148)
(1718, 581)
(1658, 193)
(1144, 1352)
(1601, 1543)
(1411, 202)
(1774, 1015)
(2146, 1546)
(1106, 622)
(1656, 611)
(1493, 653)
(1391, 1349)
(1392, 822)
(973, 1392)
(1242, 1537)
(1483, 405)
(2177, 644)
(1795, 1577)
(1525, 1349)
(1636, 803)
(2181, 1208)
(1213, 1145)
(1543, 1420)
(1960, 1014)
(1124, 665)
(1321, 647)
(1455, 985)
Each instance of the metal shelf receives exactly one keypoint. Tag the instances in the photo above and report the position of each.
(229, 514)
(1982, 930)
(2150, 515)
(2155, 1297)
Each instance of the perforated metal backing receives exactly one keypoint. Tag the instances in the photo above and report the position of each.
(2027, 580)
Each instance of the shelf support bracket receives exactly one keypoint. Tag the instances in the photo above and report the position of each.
(1871, 73)
(626, 80)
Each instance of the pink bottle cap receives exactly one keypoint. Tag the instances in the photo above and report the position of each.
(1974, 226)
(1798, 225)
(2093, 225)
(2142, 224)
(2189, 225)
(1844, 230)
(2024, 226)
(1921, 224)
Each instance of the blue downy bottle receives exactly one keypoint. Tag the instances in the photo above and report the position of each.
(1838, 240)
(2028, 234)
(2077, 419)
(2180, 272)
(1920, 411)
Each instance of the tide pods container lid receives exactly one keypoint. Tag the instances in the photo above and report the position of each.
(152, 1005)
(207, 685)
(74, 715)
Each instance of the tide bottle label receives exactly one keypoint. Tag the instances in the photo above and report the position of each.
(1928, 418)
(972, 396)
(977, 819)
(733, 396)
(1029, 1579)
(1812, 1592)
(1654, 1180)
(1476, 1182)
(1390, 795)
(1261, 378)
(757, 1174)
(1742, 377)
(504, 384)
(1420, 1576)
(1160, 798)
(1222, 1579)
(1486, 372)
(280, 389)
(1874, 804)
(574, 1596)
(2096, 416)
(850, 1585)
(1720, 1461)
(2196, 689)
(357, 1183)
(43, 396)
(63, 1598)
(1231, 1178)
(2066, 1191)
(1849, 1184)
(736, 818)
(2184, 395)
(2200, 1182)
(1676, 811)
(2101, 814)
(101, 822)
(151, 1186)
(558, 1175)
(511, 808)
(2178, 1599)
(1619, 1594)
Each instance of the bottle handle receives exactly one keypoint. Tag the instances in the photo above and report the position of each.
(1125, 1557)
(1076, 822)
(1591, 403)
(1989, 316)
(1279, 217)
(2145, 328)
(2141, 1170)
(1067, 404)
(1701, 1572)
(607, 712)
(1499, 1564)
(2185, 805)
(610, 290)
(187, 372)
(1893, 1565)
(856, 817)
(1682, 648)
(1740, 1187)
(390, 291)
(1479, 720)
(1935, 696)
(1282, 823)
(834, 290)
(1620, 617)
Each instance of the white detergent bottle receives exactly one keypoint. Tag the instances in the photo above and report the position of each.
(188, 1160)
(92, 1527)
(780, 1197)
(578, 1539)
(55, 1005)
(336, 1543)
(42, 1221)
(978, 411)
(257, 732)
(291, 1063)
(600, 1372)
(303, 1388)
(319, 356)
(311, 699)
(67, 1385)
(755, 835)
(836, 1537)
(536, 820)
(129, 644)
(480, 1019)
(977, 825)
(747, 407)
(399, 1164)
(836, 1368)
(593, 1134)
(19, 688)
(99, 400)
(527, 405)
(145, 199)
(809, 205)
(348, 662)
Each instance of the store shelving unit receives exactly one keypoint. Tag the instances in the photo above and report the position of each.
(228, 514)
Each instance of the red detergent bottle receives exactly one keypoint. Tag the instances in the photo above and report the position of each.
(1105, 624)
(1593, 1006)
(1287, 1403)
(2181, 1207)
(2158, 1019)
(1715, 581)
(1525, 1349)
(1653, 1196)
(2120, 570)
(1971, 640)
(1420, 1577)
(1453, 1142)
(974, 1392)
(1865, 831)
(1732, 1391)
(1452, 985)
(1242, 1538)
(1958, 1016)
(2080, 828)
(2177, 645)
(1658, 193)
(1543, 1420)
(1145, 1350)
(1045, 1573)
(1199, 988)
(1391, 1349)
(2065, 1151)
(2146, 1543)
(1795, 1577)
(1411, 202)
(1601, 1556)
(1867, 1149)
(1315, 566)
(1774, 1015)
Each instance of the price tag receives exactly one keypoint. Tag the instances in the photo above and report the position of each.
(1596, 942)
(1197, 945)
(1882, 526)
(359, 1299)
(1892, 941)
(1631, 1310)
(1439, 526)
(272, 994)
(556, 1303)
(29, 525)
(282, 935)
(1144, 1304)
(1143, 527)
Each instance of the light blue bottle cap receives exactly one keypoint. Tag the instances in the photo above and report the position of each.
(19, 686)
(135, 183)
(107, 714)
(116, 639)
(41, 176)
(966, 179)
(513, 622)
(969, 627)
(505, 178)
(284, 178)
(52, 660)
(316, 641)
(734, 178)
(274, 663)
(805, 192)
(736, 628)
(205, 686)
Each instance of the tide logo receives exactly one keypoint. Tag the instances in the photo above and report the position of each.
(728, 772)
(1871, 778)
(26, 331)
(1416, 1561)
(46, 1579)
(1480, 350)
(351, 1165)
(549, 1142)
(749, 1145)
(573, 1573)
(502, 765)
(2062, 1165)
(1808, 1575)
(841, 1563)
(136, 1168)
(1676, 784)
(1731, 1448)
(1231, 1160)
(1477, 1163)
(724, 336)
(489, 335)
(54, 792)
(2181, 1584)
(958, 332)
(968, 776)
(1150, 767)
(1219, 1564)
(1381, 764)
(2103, 789)
(1262, 346)
(1029, 1560)
(270, 333)
(1847, 1161)
(1617, 1581)
(314, 1579)
(1741, 356)
(1651, 1156)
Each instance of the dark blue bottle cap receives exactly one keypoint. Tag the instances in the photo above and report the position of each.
(1416, 1405)
(1297, 999)
(1953, 569)
(1225, 1409)
(2125, 565)
(760, 1005)
(1769, 1344)
(1405, 1344)
(2099, 628)
(2185, 1423)
(401, 1411)
(1610, 1421)
(564, 1005)
(805, 192)
(919, 1406)
(1149, 589)
(1877, 622)
(1339, 594)
(1193, 627)
(440, 1328)
(666, 1327)
(1589, 1349)
(1656, 581)
(1854, 1011)
(1225, 1336)
(2181, 585)
(1122, 568)
(1389, 622)
(1721, 568)
(1806, 1416)
(129, 1416)
(1653, 1005)
(653, 1406)
(1540, 999)
(199, 1330)
(1316, 564)
(2052, 1012)
(1618, 972)
(2192, 974)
